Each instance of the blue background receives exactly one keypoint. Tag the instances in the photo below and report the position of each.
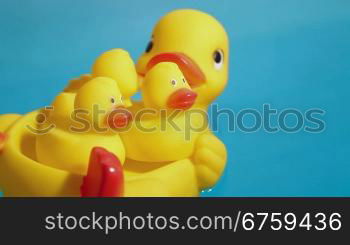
(291, 53)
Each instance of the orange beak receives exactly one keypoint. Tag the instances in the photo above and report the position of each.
(182, 99)
(119, 118)
(189, 68)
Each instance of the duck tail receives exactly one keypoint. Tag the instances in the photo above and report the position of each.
(105, 177)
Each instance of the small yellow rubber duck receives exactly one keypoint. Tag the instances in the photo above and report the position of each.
(117, 65)
(166, 97)
(81, 122)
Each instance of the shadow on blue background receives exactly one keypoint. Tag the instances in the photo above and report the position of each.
(291, 53)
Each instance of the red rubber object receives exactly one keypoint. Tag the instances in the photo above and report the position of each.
(105, 176)
(119, 118)
(182, 99)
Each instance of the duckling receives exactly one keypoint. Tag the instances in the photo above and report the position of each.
(115, 64)
(166, 97)
(82, 121)
(165, 87)
(118, 65)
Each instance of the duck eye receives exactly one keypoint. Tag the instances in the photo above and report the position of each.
(218, 58)
(149, 46)
(183, 79)
(112, 100)
(173, 82)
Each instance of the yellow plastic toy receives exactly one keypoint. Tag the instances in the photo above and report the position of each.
(85, 130)
(118, 65)
(165, 91)
(115, 64)
(198, 44)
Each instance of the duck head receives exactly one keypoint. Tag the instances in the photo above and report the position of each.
(100, 101)
(118, 65)
(165, 87)
(198, 44)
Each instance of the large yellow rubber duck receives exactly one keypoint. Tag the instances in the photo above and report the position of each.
(78, 127)
(199, 45)
(166, 94)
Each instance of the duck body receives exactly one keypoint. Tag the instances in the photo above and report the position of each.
(76, 128)
(158, 139)
(22, 175)
(40, 162)
(71, 151)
